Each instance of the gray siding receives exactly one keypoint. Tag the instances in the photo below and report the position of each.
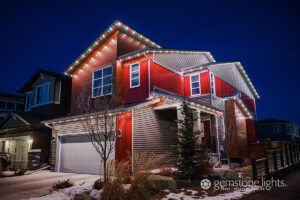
(154, 132)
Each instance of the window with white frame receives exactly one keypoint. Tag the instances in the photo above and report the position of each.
(134, 75)
(212, 84)
(28, 101)
(42, 94)
(195, 84)
(57, 92)
(102, 82)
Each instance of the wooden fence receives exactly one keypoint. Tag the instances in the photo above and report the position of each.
(276, 160)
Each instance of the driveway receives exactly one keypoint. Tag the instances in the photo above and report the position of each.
(36, 184)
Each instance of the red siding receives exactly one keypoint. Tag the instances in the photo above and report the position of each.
(206, 131)
(249, 102)
(187, 86)
(126, 46)
(205, 83)
(251, 130)
(223, 89)
(137, 94)
(124, 144)
(83, 83)
(166, 79)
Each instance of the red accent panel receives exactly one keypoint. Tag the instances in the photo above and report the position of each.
(205, 83)
(249, 102)
(251, 130)
(206, 130)
(187, 86)
(223, 89)
(124, 144)
(166, 79)
(137, 94)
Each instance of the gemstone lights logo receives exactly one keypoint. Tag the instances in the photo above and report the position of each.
(205, 184)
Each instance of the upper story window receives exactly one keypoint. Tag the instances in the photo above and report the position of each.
(195, 84)
(278, 128)
(134, 75)
(212, 84)
(28, 101)
(102, 82)
(57, 92)
(42, 94)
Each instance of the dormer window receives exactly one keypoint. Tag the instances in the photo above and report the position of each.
(42, 94)
(135, 75)
(195, 84)
(102, 82)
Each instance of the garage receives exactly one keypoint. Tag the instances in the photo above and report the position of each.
(78, 155)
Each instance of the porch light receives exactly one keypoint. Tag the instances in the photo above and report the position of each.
(29, 141)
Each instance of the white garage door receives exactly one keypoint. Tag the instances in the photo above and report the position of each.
(78, 155)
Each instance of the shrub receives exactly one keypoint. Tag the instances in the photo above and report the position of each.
(164, 171)
(20, 172)
(61, 184)
(83, 196)
(140, 187)
(113, 190)
(98, 184)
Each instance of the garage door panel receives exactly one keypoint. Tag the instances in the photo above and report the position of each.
(78, 155)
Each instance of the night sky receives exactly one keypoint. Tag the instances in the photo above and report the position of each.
(263, 35)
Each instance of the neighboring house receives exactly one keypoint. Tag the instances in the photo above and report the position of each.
(11, 102)
(274, 130)
(151, 81)
(47, 95)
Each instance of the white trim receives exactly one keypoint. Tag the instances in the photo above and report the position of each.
(132, 157)
(58, 153)
(135, 78)
(102, 86)
(194, 82)
(26, 99)
(59, 92)
(35, 96)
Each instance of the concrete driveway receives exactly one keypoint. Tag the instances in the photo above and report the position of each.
(35, 185)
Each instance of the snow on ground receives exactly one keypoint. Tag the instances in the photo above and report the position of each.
(69, 193)
(8, 173)
(231, 195)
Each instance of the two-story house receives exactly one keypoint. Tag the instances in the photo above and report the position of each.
(47, 95)
(274, 130)
(151, 82)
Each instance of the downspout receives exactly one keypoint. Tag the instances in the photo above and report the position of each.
(148, 60)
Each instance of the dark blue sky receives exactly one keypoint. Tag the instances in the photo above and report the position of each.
(263, 35)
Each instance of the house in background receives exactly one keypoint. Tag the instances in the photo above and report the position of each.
(151, 82)
(11, 102)
(47, 95)
(274, 130)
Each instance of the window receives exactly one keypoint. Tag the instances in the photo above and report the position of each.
(28, 101)
(10, 106)
(134, 75)
(57, 92)
(102, 82)
(42, 94)
(195, 84)
(212, 83)
(278, 128)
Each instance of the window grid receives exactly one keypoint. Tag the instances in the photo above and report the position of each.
(195, 84)
(102, 85)
(135, 81)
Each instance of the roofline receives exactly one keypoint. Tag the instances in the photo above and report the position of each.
(117, 25)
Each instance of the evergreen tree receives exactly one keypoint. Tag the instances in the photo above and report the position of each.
(192, 156)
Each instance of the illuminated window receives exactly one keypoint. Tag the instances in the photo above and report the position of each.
(102, 82)
(134, 75)
(195, 84)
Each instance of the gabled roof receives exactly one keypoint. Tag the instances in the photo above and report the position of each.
(173, 59)
(36, 75)
(234, 74)
(10, 96)
(115, 26)
(20, 119)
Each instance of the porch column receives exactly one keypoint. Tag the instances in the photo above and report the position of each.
(197, 124)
